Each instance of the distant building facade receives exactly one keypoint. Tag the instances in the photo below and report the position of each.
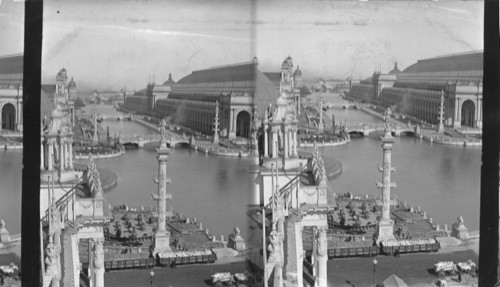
(11, 93)
(417, 89)
(241, 91)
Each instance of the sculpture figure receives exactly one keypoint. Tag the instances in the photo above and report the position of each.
(387, 116)
(163, 128)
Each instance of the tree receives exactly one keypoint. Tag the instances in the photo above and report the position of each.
(364, 206)
(304, 91)
(79, 103)
(133, 235)
(342, 221)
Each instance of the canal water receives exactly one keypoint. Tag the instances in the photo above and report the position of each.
(215, 190)
(10, 189)
(443, 180)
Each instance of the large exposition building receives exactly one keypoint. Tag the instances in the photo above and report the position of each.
(417, 90)
(240, 90)
(11, 93)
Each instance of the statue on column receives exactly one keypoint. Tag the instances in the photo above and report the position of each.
(51, 265)
(322, 247)
(98, 252)
(163, 129)
(55, 220)
(279, 207)
(269, 112)
(274, 248)
(387, 116)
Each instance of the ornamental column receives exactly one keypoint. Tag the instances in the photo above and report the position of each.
(216, 124)
(66, 155)
(320, 124)
(295, 143)
(61, 154)
(230, 120)
(322, 253)
(441, 114)
(266, 144)
(71, 154)
(98, 262)
(285, 143)
(162, 236)
(42, 156)
(298, 105)
(275, 144)
(385, 224)
(95, 139)
(50, 159)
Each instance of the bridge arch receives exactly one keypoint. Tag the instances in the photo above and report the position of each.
(468, 113)
(407, 133)
(243, 121)
(130, 145)
(9, 117)
(356, 133)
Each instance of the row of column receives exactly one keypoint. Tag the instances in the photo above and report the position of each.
(276, 138)
(50, 150)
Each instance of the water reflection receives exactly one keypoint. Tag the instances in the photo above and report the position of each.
(10, 189)
(215, 190)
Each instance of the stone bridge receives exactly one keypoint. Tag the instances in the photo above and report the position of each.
(116, 116)
(140, 140)
(366, 128)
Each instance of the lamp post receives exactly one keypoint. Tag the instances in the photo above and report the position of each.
(152, 275)
(374, 270)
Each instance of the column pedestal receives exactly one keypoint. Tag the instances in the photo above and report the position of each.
(161, 242)
(385, 231)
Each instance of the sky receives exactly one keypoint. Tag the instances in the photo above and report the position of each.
(124, 44)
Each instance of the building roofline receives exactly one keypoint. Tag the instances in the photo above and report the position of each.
(229, 66)
(12, 56)
(454, 55)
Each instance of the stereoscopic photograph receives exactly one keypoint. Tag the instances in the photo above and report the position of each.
(248, 143)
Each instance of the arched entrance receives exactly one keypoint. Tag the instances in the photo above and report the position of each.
(243, 124)
(468, 113)
(8, 117)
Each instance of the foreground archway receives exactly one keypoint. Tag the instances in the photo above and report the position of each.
(243, 124)
(468, 113)
(9, 117)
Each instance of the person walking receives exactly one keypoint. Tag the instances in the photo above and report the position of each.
(152, 274)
